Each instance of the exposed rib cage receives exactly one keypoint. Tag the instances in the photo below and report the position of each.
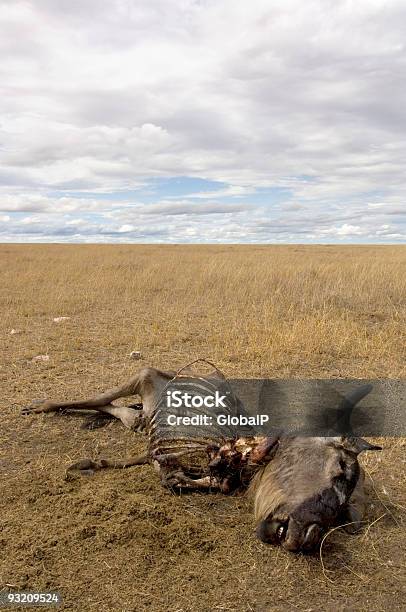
(221, 452)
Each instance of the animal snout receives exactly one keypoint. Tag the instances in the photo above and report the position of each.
(290, 535)
(272, 531)
(303, 538)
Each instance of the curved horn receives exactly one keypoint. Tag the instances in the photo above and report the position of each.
(347, 405)
(355, 443)
(349, 401)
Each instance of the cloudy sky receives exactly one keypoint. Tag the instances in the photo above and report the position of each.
(202, 121)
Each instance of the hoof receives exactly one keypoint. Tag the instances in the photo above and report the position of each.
(84, 465)
(96, 421)
(36, 407)
(75, 475)
(140, 424)
(137, 406)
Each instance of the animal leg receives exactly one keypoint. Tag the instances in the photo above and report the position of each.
(88, 466)
(179, 480)
(147, 383)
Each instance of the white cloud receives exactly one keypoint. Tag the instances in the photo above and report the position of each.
(186, 207)
(124, 229)
(236, 191)
(36, 202)
(349, 230)
(306, 96)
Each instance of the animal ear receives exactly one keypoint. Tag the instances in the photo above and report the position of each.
(364, 445)
(358, 445)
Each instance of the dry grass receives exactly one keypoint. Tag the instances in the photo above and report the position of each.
(120, 542)
(280, 311)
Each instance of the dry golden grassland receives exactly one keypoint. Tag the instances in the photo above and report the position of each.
(118, 541)
(255, 310)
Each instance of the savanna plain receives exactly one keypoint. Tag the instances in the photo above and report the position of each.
(118, 540)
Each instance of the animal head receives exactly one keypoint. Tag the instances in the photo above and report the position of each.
(307, 487)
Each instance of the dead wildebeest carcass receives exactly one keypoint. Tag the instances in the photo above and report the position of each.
(301, 486)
